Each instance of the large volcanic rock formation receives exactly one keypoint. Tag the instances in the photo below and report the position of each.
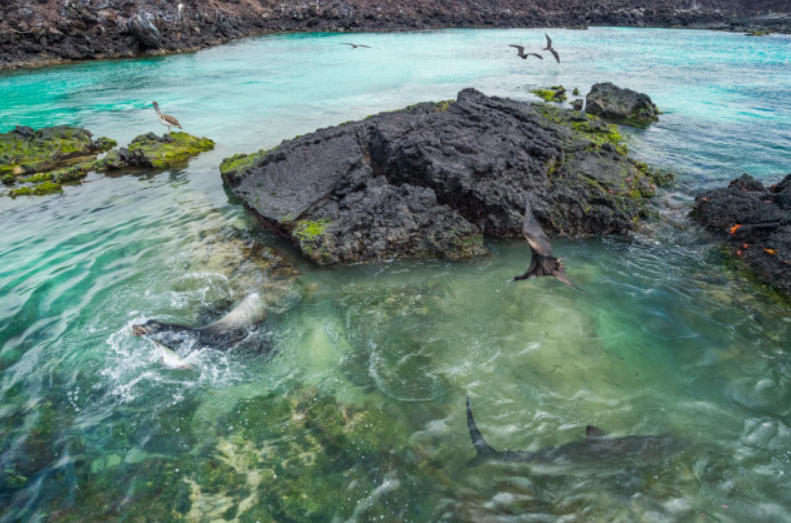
(429, 180)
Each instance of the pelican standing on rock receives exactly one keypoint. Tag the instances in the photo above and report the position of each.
(166, 119)
(542, 263)
(520, 52)
(355, 46)
(551, 49)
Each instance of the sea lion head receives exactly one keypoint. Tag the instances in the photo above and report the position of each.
(148, 328)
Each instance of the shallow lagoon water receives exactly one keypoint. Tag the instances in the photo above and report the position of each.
(352, 407)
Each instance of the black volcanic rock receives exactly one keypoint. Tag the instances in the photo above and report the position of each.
(430, 179)
(145, 32)
(623, 105)
(757, 223)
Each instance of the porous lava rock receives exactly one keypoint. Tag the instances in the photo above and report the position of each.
(624, 105)
(756, 222)
(430, 179)
(157, 152)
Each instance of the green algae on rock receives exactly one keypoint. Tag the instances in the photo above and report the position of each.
(556, 93)
(152, 151)
(48, 157)
(281, 458)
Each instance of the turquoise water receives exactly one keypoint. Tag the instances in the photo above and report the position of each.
(347, 404)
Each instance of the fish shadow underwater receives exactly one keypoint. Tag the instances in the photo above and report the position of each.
(596, 453)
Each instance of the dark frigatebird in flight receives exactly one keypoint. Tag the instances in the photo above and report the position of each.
(542, 263)
(520, 52)
(551, 49)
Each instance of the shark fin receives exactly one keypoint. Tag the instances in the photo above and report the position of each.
(594, 432)
(481, 447)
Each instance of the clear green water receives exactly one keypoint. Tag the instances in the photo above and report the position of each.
(355, 409)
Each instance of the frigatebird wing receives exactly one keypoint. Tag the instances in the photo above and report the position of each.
(555, 54)
(519, 48)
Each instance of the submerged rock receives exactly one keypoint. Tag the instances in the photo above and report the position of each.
(430, 179)
(757, 222)
(610, 101)
(150, 150)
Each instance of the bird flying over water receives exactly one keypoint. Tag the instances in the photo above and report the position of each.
(355, 46)
(551, 49)
(520, 52)
(542, 263)
(166, 119)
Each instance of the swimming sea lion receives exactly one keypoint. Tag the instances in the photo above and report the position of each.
(221, 334)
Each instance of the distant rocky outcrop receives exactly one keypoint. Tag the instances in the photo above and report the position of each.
(430, 179)
(623, 105)
(756, 221)
(51, 31)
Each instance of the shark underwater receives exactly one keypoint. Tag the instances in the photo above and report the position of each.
(597, 451)
(221, 334)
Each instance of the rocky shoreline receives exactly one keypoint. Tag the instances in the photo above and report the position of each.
(755, 222)
(49, 32)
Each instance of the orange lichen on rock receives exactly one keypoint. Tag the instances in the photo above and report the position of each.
(770, 251)
(735, 228)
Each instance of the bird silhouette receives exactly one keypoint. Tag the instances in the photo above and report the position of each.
(551, 49)
(166, 119)
(520, 52)
(542, 263)
(355, 46)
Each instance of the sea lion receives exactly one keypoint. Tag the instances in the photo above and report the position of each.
(221, 334)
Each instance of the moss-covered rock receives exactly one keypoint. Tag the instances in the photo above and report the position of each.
(231, 167)
(40, 189)
(152, 151)
(46, 158)
(556, 93)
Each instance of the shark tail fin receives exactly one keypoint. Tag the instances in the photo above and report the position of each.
(481, 447)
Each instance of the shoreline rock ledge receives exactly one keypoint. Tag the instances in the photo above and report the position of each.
(429, 180)
(756, 220)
